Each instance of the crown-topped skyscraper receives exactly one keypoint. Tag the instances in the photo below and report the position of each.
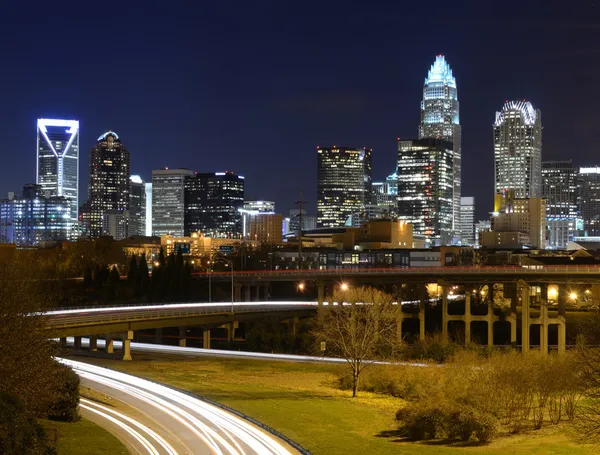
(440, 119)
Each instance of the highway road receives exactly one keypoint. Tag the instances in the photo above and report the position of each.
(158, 420)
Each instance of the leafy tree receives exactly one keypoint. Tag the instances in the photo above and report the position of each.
(88, 278)
(133, 271)
(143, 276)
(361, 328)
(114, 277)
(162, 261)
(65, 403)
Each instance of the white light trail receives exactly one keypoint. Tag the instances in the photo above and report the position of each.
(224, 433)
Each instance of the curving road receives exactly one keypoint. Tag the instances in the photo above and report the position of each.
(166, 421)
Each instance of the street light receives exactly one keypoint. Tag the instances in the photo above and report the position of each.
(301, 287)
(344, 286)
(573, 296)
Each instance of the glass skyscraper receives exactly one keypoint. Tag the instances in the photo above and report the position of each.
(425, 187)
(109, 181)
(440, 119)
(518, 150)
(168, 204)
(212, 204)
(57, 161)
(559, 188)
(589, 200)
(137, 206)
(344, 184)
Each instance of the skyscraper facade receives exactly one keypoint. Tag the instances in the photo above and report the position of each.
(251, 209)
(137, 206)
(589, 200)
(344, 183)
(109, 180)
(34, 218)
(212, 204)
(168, 205)
(57, 160)
(426, 187)
(518, 150)
(559, 188)
(440, 119)
(467, 220)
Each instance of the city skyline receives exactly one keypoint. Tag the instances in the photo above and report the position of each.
(220, 104)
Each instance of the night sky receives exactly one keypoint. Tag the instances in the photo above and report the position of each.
(254, 87)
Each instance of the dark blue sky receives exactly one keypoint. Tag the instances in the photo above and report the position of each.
(254, 87)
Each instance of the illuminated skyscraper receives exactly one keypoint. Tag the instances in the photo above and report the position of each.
(168, 204)
(425, 188)
(57, 170)
(109, 181)
(518, 150)
(559, 188)
(137, 206)
(344, 184)
(440, 119)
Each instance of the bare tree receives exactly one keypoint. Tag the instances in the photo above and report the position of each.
(361, 328)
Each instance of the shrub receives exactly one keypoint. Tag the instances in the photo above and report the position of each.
(468, 424)
(422, 422)
(66, 399)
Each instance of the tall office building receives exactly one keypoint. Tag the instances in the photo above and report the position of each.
(212, 204)
(148, 188)
(109, 181)
(426, 188)
(251, 209)
(440, 119)
(467, 220)
(518, 150)
(308, 222)
(589, 200)
(57, 160)
(168, 204)
(559, 188)
(35, 217)
(137, 206)
(344, 183)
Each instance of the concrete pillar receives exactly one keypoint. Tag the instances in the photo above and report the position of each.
(183, 337)
(562, 335)
(445, 313)
(294, 325)
(77, 342)
(63, 342)
(544, 327)
(266, 291)
(206, 339)
(399, 321)
(110, 345)
(127, 345)
(490, 295)
(467, 318)
(595, 294)
(93, 346)
(248, 290)
(490, 322)
(320, 292)
(525, 318)
(159, 336)
(422, 322)
(237, 292)
(257, 293)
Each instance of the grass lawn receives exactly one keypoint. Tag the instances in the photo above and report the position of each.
(73, 437)
(301, 401)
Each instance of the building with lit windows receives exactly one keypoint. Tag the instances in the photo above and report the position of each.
(467, 220)
(308, 221)
(481, 226)
(212, 204)
(343, 183)
(589, 200)
(137, 206)
(440, 119)
(518, 150)
(426, 188)
(266, 228)
(109, 186)
(168, 204)
(118, 224)
(252, 208)
(34, 218)
(559, 188)
(384, 195)
(516, 223)
(148, 188)
(57, 170)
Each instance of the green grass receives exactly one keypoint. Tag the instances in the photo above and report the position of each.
(83, 437)
(301, 401)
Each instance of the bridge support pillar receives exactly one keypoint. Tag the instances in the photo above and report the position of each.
(127, 345)
(62, 342)
(399, 321)
(422, 322)
(183, 337)
(77, 342)
(294, 326)
(93, 346)
(206, 339)
(237, 292)
(248, 290)
(110, 345)
(257, 293)
(544, 327)
(490, 321)
(320, 293)
(525, 317)
(562, 335)
(445, 313)
(467, 318)
(266, 291)
(159, 336)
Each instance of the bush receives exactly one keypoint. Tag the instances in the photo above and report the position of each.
(422, 422)
(66, 399)
(468, 424)
(20, 434)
